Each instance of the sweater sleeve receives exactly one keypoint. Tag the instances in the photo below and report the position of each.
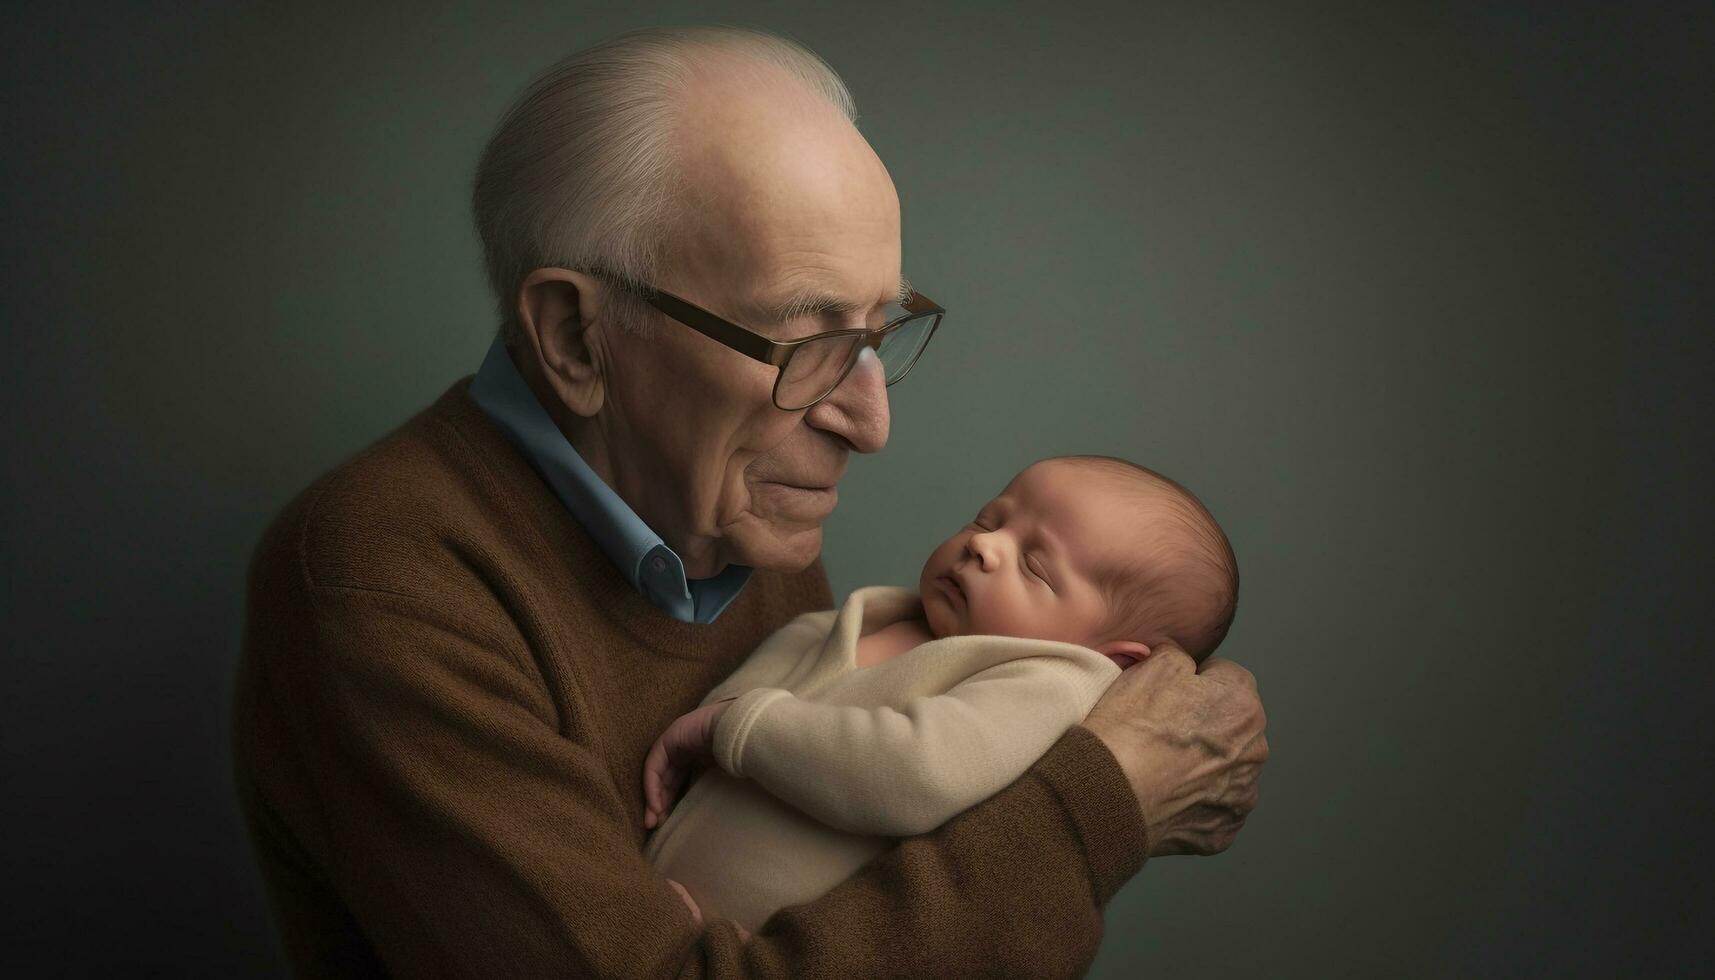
(412, 760)
(896, 772)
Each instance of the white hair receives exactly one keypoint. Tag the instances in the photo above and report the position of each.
(581, 172)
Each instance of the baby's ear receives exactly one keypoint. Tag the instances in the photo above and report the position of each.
(1124, 652)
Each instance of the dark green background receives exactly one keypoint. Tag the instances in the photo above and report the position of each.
(1412, 297)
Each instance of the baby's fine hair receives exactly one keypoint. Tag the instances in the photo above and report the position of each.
(1185, 587)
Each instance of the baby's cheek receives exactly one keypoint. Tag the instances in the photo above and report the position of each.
(1021, 616)
(998, 616)
(940, 623)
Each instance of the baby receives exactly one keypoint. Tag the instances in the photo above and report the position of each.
(846, 729)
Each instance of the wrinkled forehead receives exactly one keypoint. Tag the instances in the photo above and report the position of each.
(785, 199)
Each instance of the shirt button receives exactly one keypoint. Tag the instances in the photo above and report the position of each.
(659, 564)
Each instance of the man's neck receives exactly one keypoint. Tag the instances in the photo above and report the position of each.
(590, 441)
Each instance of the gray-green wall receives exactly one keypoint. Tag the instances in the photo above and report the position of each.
(1407, 295)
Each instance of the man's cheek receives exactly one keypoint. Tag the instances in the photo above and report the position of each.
(733, 499)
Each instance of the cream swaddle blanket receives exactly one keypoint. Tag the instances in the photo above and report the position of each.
(823, 764)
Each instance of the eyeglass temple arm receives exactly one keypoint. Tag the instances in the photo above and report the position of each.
(736, 337)
(753, 345)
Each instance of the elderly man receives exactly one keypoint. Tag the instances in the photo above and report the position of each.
(461, 643)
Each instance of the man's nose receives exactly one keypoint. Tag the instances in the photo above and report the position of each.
(857, 409)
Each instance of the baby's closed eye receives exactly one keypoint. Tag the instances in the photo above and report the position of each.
(1034, 567)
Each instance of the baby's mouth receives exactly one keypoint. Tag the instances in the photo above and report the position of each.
(953, 589)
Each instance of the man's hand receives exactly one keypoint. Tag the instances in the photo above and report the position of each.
(687, 741)
(690, 903)
(697, 912)
(1191, 744)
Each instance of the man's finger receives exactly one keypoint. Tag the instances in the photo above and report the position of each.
(1224, 671)
(1255, 751)
(690, 903)
(1166, 659)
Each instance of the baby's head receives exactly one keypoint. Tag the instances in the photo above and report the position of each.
(1090, 550)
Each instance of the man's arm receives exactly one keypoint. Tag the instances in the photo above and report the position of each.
(906, 771)
(419, 764)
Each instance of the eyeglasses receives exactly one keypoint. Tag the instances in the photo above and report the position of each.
(812, 367)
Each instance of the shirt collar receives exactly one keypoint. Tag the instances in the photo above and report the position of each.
(653, 569)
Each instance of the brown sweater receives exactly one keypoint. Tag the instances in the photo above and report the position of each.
(440, 721)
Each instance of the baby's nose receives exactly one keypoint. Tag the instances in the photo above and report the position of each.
(982, 549)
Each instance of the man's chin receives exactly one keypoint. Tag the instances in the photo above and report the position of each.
(781, 551)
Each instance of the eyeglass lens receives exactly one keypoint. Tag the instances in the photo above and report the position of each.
(814, 370)
(900, 348)
(818, 366)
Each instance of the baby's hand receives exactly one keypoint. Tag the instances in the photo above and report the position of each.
(687, 741)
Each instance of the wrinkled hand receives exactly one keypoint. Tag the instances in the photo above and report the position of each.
(687, 741)
(1191, 744)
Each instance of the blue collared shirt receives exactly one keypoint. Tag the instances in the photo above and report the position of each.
(654, 569)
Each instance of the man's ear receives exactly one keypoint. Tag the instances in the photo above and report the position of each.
(561, 312)
(1124, 652)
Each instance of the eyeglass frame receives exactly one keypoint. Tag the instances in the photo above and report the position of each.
(778, 352)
